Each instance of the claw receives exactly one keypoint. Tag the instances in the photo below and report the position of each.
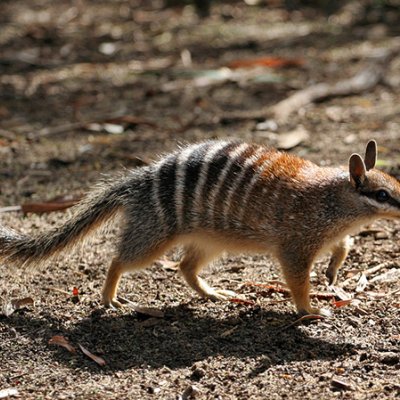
(112, 303)
(323, 312)
(220, 294)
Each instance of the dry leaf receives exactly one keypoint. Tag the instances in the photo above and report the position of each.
(271, 62)
(56, 204)
(342, 303)
(289, 140)
(340, 293)
(6, 393)
(15, 305)
(273, 288)
(242, 301)
(100, 361)
(63, 342)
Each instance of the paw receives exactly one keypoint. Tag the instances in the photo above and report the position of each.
(331, 276)
(220, 294)
(323, 312)
(112, 303)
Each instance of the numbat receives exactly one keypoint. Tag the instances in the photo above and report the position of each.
(220, 196)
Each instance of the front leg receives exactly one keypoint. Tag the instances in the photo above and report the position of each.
(297, 275)
(339, 254)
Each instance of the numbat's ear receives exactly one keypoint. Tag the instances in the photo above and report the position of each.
(370, 155)
(357, 170)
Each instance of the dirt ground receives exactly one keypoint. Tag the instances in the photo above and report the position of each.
(91, 87)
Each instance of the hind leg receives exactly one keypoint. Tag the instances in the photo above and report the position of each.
(114, 275)
(193, 261)
(118, 267)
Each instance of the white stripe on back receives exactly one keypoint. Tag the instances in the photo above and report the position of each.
(155, 194)
(198, 201)
(250, 161)
(180, 181)
(232, 157)
(253, 181)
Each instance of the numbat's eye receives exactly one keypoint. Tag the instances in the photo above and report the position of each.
(382, 196)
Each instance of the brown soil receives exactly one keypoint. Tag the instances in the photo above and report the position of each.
(66, 63)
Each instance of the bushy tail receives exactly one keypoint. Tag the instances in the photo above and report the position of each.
(99, 206)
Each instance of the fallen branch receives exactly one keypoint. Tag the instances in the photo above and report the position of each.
(116, 117)
(55, 130)
(363, 81)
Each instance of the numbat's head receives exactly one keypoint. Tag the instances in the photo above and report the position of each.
(377, 190)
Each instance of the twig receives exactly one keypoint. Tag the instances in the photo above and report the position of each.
(10, 209)
(55, 289)
(367, 272)
(55, 130)
(363, 81)
(308, 317)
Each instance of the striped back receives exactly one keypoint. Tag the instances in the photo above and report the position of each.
(208, 184)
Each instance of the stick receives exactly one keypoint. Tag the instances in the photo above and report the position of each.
(363, 81)
(367, 272)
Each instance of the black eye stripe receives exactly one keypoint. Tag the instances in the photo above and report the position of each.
(373, 194)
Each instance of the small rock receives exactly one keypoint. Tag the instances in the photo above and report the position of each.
(190, 392)
(267, 125)
(197, 374)
(381, 235)
(335, 113)
(154, 390)
(390, 358)
(341, 384)
(289, 140)
(107, 48)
